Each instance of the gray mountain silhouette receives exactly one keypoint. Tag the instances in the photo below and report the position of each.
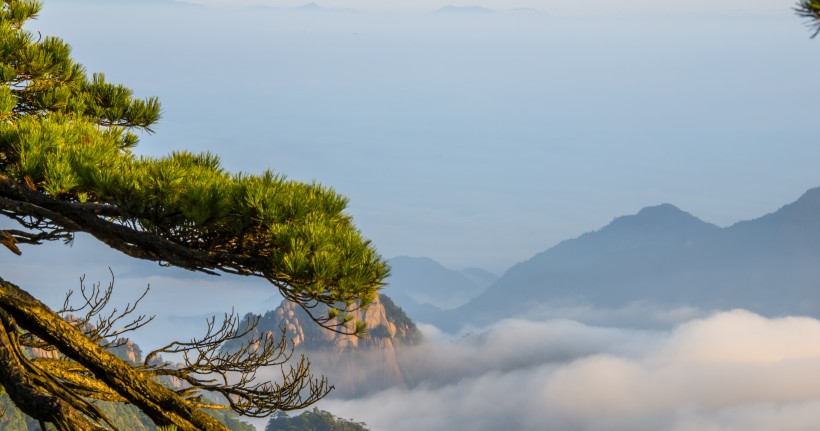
(422, 286)
(665, 256)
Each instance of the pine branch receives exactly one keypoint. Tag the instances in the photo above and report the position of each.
(810, 9)
(207, 257)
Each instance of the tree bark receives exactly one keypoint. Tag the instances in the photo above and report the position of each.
(161, 404)
(25, 393)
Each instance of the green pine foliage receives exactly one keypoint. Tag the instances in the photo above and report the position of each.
(73, 138)
(313, 420)
(810, 9)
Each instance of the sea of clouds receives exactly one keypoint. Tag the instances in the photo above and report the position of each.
(633, 369)
(730, 370)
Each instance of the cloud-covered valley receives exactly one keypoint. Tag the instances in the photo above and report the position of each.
(729, 371)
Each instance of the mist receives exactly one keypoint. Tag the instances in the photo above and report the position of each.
(728, 371)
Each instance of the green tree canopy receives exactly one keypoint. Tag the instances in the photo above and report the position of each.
(313, 420)
(68, 165)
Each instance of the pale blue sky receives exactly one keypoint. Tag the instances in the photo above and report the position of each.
(479, 140)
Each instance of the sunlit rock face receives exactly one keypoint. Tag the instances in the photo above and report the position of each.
(128, 351)
(354, 365)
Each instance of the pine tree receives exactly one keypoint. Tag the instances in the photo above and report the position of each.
(68, 165)
(313, 420)
(810, 9)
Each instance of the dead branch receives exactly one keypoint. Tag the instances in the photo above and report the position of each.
(161, 404)
(209, 368)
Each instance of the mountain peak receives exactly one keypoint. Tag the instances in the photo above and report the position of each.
(360, 364)
(662, 210)
(664, 217)
(385, 321)
(800, 216)
(810, 199)
(666, 257)
(666, 213)
(416, 281)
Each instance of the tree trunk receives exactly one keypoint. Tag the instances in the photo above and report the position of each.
(26, 395)
(161, 404)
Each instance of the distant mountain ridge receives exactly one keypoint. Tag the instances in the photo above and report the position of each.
(663, 255)
(314, 7)
(450, 9)
(424, 287)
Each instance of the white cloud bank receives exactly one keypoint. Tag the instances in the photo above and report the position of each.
(730, 371)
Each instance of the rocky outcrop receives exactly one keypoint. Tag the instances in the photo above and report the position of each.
(356, 365)
(384, 329)
(128, 351)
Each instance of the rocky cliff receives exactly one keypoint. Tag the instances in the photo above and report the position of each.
(355, 365)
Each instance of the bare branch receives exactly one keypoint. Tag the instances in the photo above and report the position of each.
(232, 374)
(161, 404)
(105, 330)
(207, 368)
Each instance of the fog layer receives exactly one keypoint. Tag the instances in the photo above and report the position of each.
(729, 371)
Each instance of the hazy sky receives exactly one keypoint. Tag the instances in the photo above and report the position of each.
(474, 139)
(479, 139)
(558, 7)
